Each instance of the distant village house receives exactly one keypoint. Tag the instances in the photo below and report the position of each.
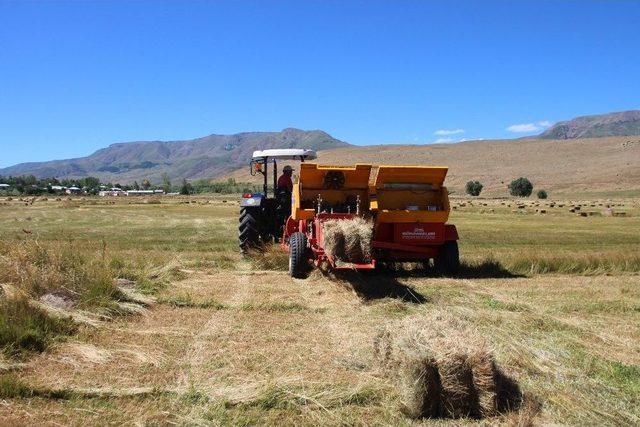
(117, 192)
(74, 190)
(144, 192)
(112, 192)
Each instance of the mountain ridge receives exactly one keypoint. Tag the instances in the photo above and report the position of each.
(620, 123)
(203, 157)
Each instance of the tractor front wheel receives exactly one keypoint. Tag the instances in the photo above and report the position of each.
(448, 261)
(298, 255)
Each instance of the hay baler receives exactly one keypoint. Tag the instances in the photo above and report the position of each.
(408, 207)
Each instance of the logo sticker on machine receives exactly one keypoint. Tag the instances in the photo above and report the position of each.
(418, 233)
(414, 233)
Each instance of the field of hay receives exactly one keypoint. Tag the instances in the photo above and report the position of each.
(553, 287)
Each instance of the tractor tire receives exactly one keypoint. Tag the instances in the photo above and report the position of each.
(448, 261)
(249, 229)
(298, 255)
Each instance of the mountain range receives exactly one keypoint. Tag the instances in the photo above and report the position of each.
(570, 154)
(208, 157)
(624, 123)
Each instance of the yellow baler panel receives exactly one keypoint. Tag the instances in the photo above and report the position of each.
(411, 174)
(370, 184)
(312, 175)
(311, 183)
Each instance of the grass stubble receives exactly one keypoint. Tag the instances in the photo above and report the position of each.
(233, 341)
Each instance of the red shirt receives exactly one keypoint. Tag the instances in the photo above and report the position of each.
(285, 183)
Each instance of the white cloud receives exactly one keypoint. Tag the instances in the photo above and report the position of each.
(529, 127)
(444, 132)
(524, 127)
(443, 140)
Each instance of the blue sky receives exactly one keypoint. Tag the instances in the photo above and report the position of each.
(79, 75)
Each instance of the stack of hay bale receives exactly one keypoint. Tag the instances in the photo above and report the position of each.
(441, 368)
(348, 240)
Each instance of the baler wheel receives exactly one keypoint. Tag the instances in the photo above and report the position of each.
(448, 262)
(298, 255)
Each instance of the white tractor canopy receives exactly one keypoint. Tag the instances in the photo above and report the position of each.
(285, 154)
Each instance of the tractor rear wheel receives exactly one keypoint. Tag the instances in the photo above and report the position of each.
(249, 229)
(298, 255)
(448, 261)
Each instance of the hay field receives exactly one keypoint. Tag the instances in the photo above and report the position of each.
(232, 341)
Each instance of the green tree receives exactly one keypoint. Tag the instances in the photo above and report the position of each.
(136, 186)
(542, 194)
(473, 188)
(146, 184)
(166, 182)
(30, 180)
(186, 188)
(89, 182)
(521, 187)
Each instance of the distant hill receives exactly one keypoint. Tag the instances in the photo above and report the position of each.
(208, 157)
(625, 123)
(574, 167)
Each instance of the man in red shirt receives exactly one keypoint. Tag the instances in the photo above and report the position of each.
(284, 182)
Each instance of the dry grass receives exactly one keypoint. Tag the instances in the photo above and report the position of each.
(285, 352)
(237, 343)
(37, 269)
(270, 258)
(26, 328)
(532, 262)
(48, 283)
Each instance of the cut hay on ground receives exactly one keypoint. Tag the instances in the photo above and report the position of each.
(348, 240)
(442, 369)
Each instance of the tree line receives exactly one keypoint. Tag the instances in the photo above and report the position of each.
(31, 185)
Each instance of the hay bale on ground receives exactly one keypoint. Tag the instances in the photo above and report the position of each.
(419, 387)
(348, 240)
(441, 368)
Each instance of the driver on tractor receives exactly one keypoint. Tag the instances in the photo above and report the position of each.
(285, 183)
(283, 196)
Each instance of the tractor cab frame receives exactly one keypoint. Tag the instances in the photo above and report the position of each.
(262, 217)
